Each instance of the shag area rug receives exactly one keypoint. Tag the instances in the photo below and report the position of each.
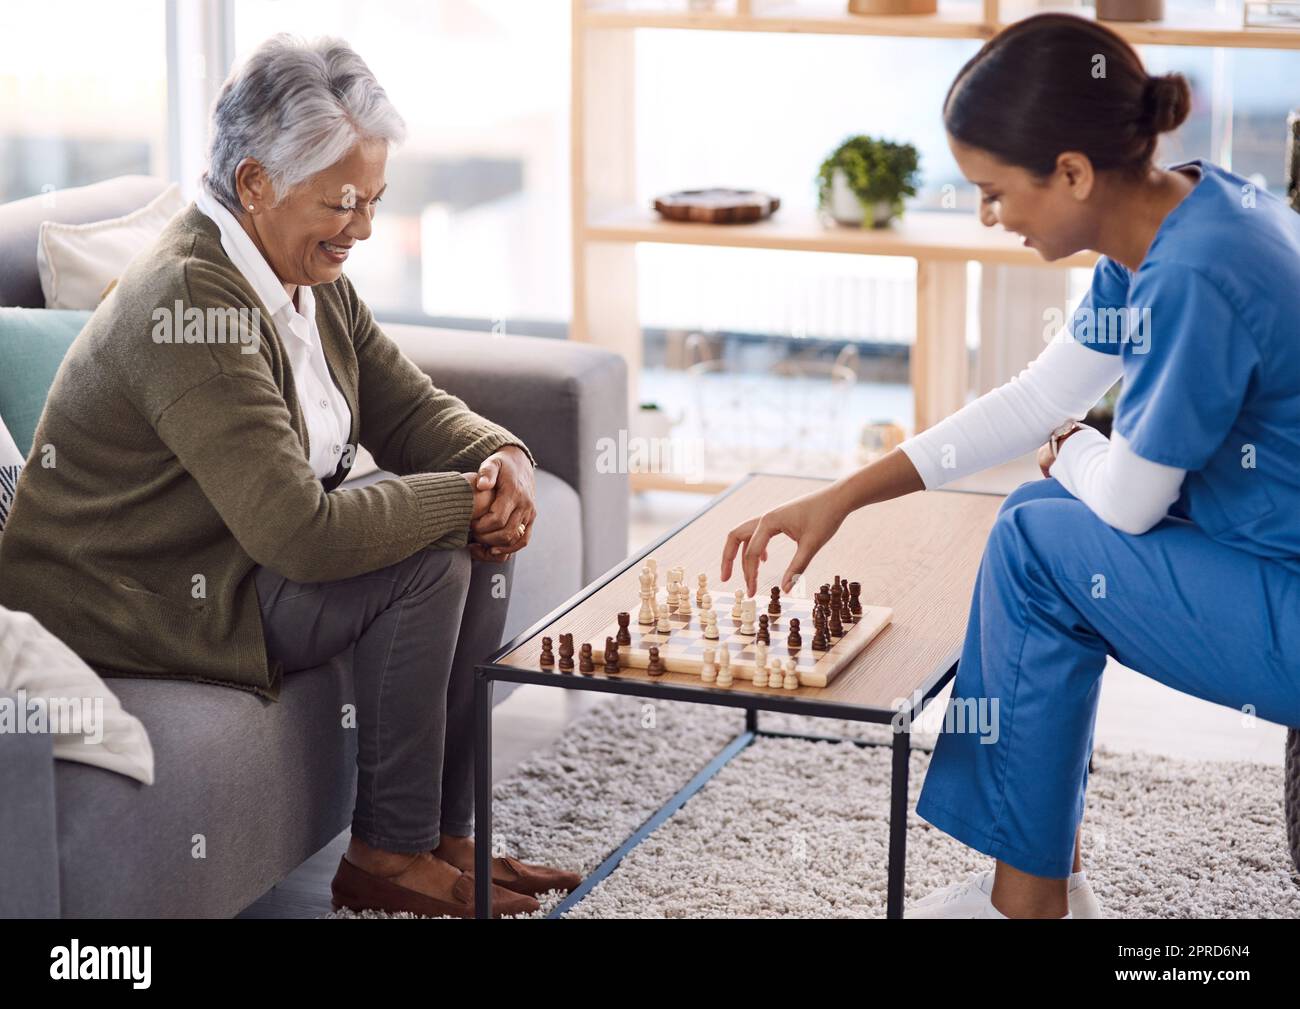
(798, 829)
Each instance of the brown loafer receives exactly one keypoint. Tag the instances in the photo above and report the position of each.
(524, 878)
(359, 890)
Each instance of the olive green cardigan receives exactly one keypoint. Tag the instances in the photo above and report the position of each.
(161, 473)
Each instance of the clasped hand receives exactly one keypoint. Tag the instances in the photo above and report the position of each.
(505, 506)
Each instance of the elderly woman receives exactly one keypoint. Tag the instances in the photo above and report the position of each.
(193, 524)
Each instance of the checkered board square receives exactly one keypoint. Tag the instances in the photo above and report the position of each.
(681, 648)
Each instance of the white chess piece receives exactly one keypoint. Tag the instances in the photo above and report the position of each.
(774, 673)
(708, 673)
(710, 620)
(664, 625)
(736, 610)
(706, 601)
(684, 604)
(760, 656)
(760, 673)
(702, 591)
(646, 615)
(747, 617)
(791, 675)
(724, 667)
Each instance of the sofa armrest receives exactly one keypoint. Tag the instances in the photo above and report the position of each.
(29, 840)
(560, 397)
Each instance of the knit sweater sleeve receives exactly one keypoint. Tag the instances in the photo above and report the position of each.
(228, 425)
(407, 423)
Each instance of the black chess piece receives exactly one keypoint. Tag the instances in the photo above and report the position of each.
(764, 636)
(624, 635)
(611, 656)
(855, 603)
(835, 627)
(548, 657)
(774, 607)
(794, 640)
(566, 653)
(585, 662)
(656, 666)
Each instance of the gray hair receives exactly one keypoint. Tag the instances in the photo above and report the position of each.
(295, 107)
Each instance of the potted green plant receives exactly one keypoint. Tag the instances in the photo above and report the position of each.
(863, 181)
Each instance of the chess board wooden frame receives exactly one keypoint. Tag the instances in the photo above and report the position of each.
(686, 642)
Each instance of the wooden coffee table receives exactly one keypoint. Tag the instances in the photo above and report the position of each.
(918, 554)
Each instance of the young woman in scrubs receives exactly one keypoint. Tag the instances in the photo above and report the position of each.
(1173, 545)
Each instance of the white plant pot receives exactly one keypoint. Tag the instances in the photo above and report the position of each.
(845, 207)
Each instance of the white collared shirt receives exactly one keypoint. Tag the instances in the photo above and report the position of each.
(324, 410)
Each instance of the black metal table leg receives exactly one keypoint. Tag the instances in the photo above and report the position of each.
(902, 747)
(751, 720)
(482, 794)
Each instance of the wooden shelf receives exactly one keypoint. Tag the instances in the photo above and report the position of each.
(953, 21)
(928, 235)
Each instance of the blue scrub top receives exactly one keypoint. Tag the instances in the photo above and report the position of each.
(1209, 331)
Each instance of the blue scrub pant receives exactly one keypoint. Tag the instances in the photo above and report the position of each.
(1058, 590)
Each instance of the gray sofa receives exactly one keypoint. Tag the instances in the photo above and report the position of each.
(267, 785)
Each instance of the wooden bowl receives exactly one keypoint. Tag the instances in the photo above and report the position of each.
(717, 206)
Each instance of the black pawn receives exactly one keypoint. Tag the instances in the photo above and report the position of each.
(763, 635)
(656, 667)
(794, 640)
(611, 656)
(624, 635)
(774, 607)
(836, 628)
(548, 656)
(585, 662)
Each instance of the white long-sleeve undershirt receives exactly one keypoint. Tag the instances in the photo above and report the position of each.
(1066, 380)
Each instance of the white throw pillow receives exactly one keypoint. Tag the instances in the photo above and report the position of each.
(11, 464)
(78, 261)
(45, 675)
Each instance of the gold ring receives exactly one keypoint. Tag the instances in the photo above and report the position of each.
(523, 528)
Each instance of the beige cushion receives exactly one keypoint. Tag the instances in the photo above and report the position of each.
(77, 262)
(44, 669)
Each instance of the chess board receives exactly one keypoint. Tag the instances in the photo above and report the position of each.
(681, 648)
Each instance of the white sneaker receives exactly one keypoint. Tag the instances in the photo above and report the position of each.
(972, 898)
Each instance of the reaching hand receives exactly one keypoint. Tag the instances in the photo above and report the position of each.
(810, 521)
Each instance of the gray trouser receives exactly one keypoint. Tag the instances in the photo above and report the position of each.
(415, 699)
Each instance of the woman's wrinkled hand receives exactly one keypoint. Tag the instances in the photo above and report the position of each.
(810, 521)
(506, 525)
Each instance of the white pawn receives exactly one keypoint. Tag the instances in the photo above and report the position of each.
(736, 610)
(747, 617)
(760, 656)
(702, 591)
(684, 604)
(774, 673)
(724, 667)
(646, 615)
(760, 672)
(665, 625)
(791, 675)
(708, 673)
(710, 620)
(706, 601)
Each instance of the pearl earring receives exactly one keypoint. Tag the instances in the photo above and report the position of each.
(250, 206)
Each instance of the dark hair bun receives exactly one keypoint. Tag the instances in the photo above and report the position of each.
(1168, 99)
